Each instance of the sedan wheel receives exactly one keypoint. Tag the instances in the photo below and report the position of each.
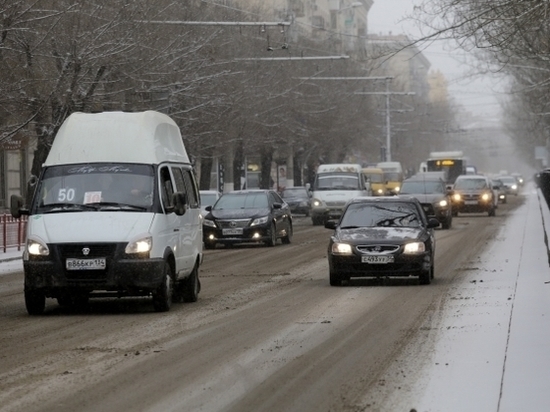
(272, 236)
(288, 238)
(426, 277)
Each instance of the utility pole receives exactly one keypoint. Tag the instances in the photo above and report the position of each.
(387, 93)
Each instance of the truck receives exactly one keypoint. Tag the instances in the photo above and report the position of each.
(334, 185)
(115, 212)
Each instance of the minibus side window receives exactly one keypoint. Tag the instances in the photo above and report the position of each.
(166, 188)
(192, 196)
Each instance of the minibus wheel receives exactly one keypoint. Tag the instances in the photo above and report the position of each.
(162, 296)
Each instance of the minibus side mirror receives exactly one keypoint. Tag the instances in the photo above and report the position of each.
(179, 200)
(16, 206)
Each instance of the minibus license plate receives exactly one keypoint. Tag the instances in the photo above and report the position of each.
(86, 264)
(377, 259)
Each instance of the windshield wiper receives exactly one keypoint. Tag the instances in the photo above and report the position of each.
(116, 205)
(398, 220)
(67, 207)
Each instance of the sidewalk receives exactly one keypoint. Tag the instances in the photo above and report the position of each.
(492, 348)
(11, 254)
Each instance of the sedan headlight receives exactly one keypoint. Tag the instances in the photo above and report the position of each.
(485, 197)
(457, 197)
(414, 247)
(443, 203)
(260, 221)
(36, 247)
(514, 187)
(209, 223)
(341, 249)
(142, 245)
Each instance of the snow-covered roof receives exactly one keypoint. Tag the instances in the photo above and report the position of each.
(146, 137)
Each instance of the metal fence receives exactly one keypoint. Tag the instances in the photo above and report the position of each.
(12, 232)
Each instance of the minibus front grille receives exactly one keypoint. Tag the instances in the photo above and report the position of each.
(86, 250)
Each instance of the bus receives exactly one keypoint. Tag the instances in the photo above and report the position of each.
(453, 163)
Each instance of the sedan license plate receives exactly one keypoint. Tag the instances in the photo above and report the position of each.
(233, 231)
(377, 259)
(470, 202)
(86, 264)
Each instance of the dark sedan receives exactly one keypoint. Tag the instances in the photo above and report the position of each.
(298, 198)
(433, 195)
(245, 216)
(382, 236)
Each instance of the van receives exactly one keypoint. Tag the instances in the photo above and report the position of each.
(375, 177)
(115, 212)
(393, 172)
(335, 184)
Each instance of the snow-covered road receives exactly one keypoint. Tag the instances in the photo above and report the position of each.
(492, 350)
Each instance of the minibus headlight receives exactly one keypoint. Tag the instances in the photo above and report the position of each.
(37, 248)
(139, 246)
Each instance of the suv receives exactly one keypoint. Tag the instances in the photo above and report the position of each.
(431, 191)
(474, 194)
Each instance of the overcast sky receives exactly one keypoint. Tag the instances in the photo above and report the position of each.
(478, 96)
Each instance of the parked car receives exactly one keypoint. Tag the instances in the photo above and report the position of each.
(474, 194)
(511, 184)
(382, 236)
(500, 190)
(245, 216)
(298, 198)
(433, 195)
(208, 198)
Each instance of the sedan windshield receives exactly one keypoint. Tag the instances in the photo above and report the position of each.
(242, 201)
(376, 215)
(208, 199)
(471, 184)
(294, 192)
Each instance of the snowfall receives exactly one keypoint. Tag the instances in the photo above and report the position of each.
(493, 353)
